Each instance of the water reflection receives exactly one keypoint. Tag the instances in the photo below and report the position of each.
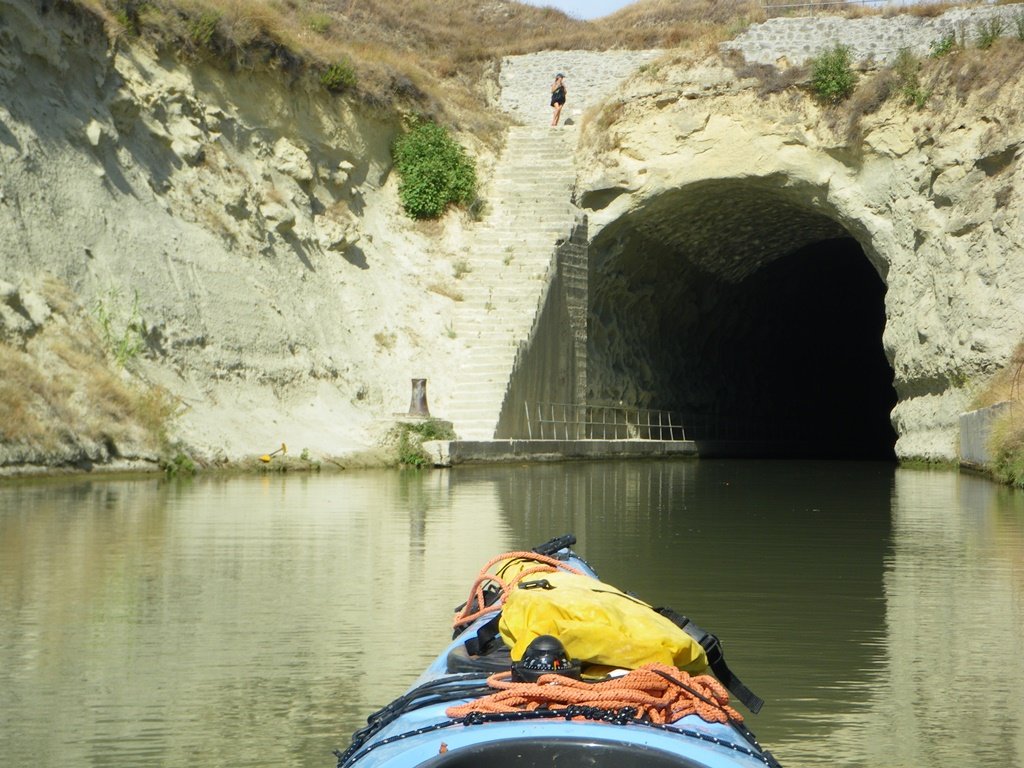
(243, 621)
(256, 621)
(955, 662)
(783, 560)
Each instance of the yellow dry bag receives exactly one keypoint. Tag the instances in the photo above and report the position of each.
(597, 624)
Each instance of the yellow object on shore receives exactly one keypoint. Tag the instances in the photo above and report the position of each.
(266, 457)
(597, 624)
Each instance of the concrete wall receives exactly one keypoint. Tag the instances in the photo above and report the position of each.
(552, 364)
(975, 430)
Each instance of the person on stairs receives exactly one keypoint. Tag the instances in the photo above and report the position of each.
(557, 97)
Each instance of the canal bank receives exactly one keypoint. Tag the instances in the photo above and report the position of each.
(448, 453)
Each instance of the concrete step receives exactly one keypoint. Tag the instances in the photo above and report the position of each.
(487, 377)
(482, 411)
(479, 405)
(516, 332)
(482, 386)
(486, 363)
(474, 428)
(530, 213)
(484, 401)
(514, 295)
(481, 420)
(515, 285)
(485, 336)
(488, 360)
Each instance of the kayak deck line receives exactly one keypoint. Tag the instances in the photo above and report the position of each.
(549, 703)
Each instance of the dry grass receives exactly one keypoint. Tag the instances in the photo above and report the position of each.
(61, 388)
(448, 291)
(20, 386)
(962, 74)
(385, 340)
(599, 122)
(871, 93)
(1006, 385)
(1006, 443)
(770, 79)
(429, 56)
(670, 23)
(982, 72)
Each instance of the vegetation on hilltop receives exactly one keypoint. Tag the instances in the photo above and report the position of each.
(426, 56)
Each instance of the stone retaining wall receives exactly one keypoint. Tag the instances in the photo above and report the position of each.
(872, 39)
(975, 431)
(552, 365)
(590, 77)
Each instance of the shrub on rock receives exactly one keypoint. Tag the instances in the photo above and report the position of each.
(435, 171)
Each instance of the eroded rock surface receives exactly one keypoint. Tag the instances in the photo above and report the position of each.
(697, 189)
(250, 222)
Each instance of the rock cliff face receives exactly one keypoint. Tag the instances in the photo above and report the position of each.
(237, 239)
(243, 225)
(702, 187)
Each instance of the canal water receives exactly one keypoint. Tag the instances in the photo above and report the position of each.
(256, 621)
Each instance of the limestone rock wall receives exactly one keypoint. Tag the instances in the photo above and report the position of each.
(708, 177)
(247, 219)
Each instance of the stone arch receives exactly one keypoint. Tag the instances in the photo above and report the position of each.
(752, 305)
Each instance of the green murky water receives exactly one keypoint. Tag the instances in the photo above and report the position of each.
(256, 621)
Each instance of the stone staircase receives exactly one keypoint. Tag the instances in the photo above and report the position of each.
(531, 212)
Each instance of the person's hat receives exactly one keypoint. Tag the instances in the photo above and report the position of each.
(559, 75)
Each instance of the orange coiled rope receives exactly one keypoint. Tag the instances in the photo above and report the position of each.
(658, 692)
(475, 608)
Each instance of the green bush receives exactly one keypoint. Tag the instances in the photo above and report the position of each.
(1018, 22)
(410, 437)
(1008, 465)
(122, 331)
(908, 81)
(943, 46)
(338, 77)
(989, 31)
(832, 76)
(203, 29)
(434, 171)
(180, 464)
(319, 23)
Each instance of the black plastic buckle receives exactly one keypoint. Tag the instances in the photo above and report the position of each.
(538, 584)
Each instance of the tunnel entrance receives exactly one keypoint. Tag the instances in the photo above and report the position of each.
(806, 351)
(785, 360)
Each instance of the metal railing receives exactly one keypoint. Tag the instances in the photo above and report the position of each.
(561, 421)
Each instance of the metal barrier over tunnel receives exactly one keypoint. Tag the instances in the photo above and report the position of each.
(562, 421)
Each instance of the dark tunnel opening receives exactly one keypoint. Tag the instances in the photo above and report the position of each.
(781, 360)
(807, 350)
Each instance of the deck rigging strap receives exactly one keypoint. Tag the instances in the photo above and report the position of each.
(716, 659)
(480, 643)
(490, 591)
(660, 693)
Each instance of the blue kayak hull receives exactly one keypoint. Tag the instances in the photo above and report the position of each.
(425, 736)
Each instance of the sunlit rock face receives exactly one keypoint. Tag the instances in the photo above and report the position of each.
(769, 271)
